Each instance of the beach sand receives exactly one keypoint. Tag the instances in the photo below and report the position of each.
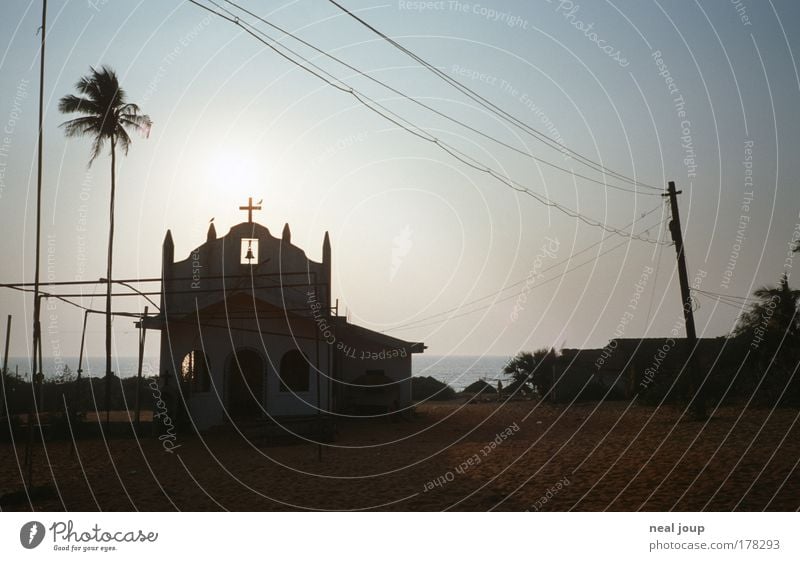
(583, 457)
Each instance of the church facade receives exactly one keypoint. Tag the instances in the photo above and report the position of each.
(249, 332)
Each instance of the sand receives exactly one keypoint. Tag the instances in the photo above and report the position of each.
(558, 458)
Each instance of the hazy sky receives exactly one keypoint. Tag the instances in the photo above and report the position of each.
(415, 232)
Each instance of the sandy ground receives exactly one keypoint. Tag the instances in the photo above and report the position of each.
(583, 458)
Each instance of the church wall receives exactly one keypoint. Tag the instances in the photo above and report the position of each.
(220, 345)
(297, 403)
(396, 367)
(198, 280)
(205, 407)
(239, 298)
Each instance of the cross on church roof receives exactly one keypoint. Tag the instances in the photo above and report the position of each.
(250, 208)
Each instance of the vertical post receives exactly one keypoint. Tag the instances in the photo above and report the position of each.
(337, 371)
(686, 298)
(77, 405)
(40, 384)
(36, 300)
(142, 335)
(319, 390)
(5, 368)
(330, 355)
(33, 409)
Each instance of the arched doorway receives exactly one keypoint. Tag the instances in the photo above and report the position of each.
(294, 372)
(245, 385)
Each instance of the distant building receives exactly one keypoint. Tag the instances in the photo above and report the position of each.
(626, 367)
(248, 331)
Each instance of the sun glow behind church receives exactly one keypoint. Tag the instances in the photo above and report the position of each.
(235, 172)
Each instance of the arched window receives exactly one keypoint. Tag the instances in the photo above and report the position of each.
(294, 372)
(194, 371)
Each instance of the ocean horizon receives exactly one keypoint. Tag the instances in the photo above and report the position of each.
(458, 371)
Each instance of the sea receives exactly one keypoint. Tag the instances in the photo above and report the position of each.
(458, 371)
(122, 366)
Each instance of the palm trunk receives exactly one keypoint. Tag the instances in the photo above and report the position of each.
(108, 279)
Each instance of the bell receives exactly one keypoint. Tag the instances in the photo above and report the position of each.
(249, 256)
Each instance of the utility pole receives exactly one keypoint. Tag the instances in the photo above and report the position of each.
(36, 299)
(699, 405)
(37, 331)
(3, 396)
(142, 335)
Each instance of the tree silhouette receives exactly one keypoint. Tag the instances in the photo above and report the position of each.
(105, 117)
(771, 329)
(530, 369)
(775, 312)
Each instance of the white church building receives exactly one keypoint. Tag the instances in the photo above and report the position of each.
(249, 331)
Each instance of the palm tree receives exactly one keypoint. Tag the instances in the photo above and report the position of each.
(529, 370)
(520, 368)
(775, 311)
(105, 116)
(771, 331)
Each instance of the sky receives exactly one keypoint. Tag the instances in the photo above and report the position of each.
(425, 247)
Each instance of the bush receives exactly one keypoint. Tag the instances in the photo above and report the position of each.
(429, 388)
(479, 386)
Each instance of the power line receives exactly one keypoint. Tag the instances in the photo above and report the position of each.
(385, 113)
(728, 296)
(413, 100)
(67, 300)
(655, 282)
(414, 324)
(515, 295)
(491, 106)
(592, 165)
(739, 306)
(251, 275)
(519, 282)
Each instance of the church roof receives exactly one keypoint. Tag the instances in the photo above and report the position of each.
(345, 329)
(257, 275)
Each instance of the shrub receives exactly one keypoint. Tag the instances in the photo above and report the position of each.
(427, 387)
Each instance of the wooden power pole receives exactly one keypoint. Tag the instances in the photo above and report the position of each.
(142, 336)
(699, 406)
(36, 365)
(3, 396)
